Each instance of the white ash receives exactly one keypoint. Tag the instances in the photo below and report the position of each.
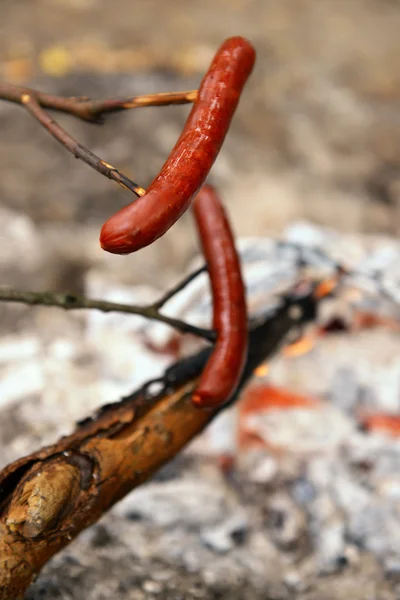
(271, 267)
(301, 431)
(320, 498)
(345, 390)
(152, 502)
(260, 467)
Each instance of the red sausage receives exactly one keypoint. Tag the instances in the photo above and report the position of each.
(222, 372)
(169, 195)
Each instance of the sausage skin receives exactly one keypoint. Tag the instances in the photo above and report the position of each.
(169, 195)
(224, 368)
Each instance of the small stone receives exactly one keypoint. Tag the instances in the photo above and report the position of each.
(285, 521)
(101, 537)
(152, 587)
(303, 491)
(265, 470)
(226, 535)
(392, 567)
(294, 581)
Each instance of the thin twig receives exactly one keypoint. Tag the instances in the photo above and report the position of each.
(77, 149)
(89, 110)
(182, 284)
(92, 110)
(74, 302)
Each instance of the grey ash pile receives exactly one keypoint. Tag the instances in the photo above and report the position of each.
(310, 511)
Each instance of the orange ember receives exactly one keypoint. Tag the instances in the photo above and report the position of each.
(266, 397)
(325, 287)
(368, 320)
(302, 346)
(259, 398)
(384, 423)
(262, 370)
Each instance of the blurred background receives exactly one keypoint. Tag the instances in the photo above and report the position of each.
(316, 136)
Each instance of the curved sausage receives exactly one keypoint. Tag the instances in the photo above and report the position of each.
(224, 368)
(169, 195)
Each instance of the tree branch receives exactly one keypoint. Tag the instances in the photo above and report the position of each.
(75, 302)
(182, 284)
(47, 498)
(92, 110)
(77, 149)
(88, 110)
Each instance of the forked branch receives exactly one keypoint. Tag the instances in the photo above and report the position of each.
(88, 110)
(75, 302)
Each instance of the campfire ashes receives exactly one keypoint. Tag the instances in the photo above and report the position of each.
(293, 492)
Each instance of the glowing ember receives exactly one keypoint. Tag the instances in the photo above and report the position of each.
(302, 346)
(258, 399)
(381, 422)
(325, 287)
(262, 370)
(266, 397)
